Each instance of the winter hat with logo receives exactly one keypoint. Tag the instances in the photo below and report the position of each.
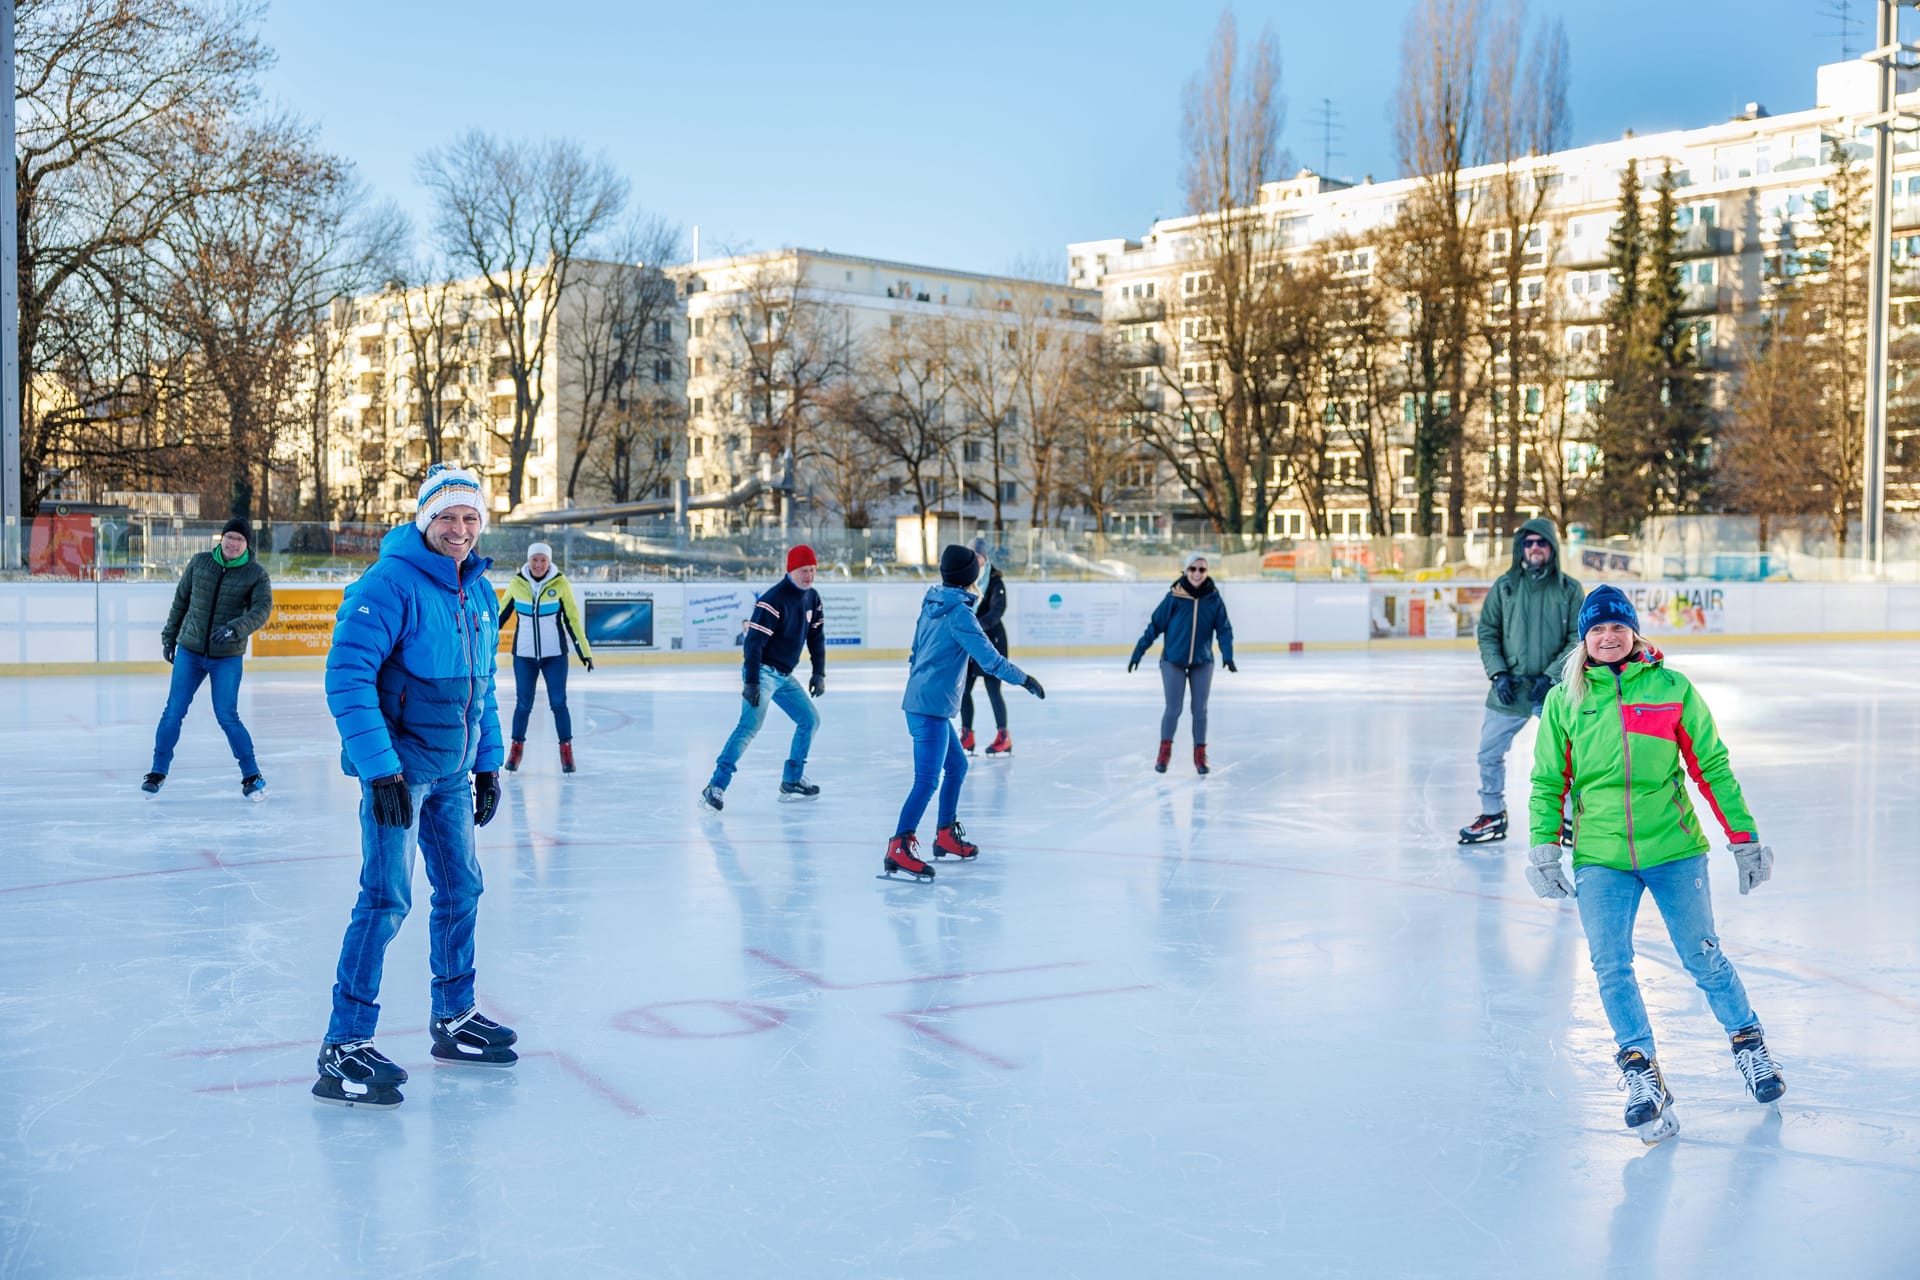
(445, 487)
(800, 557)
(959, 566)
(1607, 604)
(240, 526)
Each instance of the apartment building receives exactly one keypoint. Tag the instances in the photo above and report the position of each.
(1748, 191)
(411, 375)
(781, 344)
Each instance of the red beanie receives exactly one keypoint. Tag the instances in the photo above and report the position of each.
(800, 557)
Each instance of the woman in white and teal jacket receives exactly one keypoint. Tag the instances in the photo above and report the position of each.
(546, 622)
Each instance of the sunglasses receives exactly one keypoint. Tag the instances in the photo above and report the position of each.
(1534, 542)
(1196, 568)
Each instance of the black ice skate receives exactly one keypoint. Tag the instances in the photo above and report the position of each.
(152, 783)
(474, 1039)
(713, 798)
(1485, 828)
(254, 787)
(1650, 1115)
(903, 856)
(801, 790)
(1750, 1054)
(356, 1074)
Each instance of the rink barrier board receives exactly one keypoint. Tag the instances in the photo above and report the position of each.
(49, 628)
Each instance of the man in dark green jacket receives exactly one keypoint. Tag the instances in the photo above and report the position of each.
(223, 597)
(1529, 623)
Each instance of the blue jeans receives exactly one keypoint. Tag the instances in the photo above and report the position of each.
(933, 738)
(443, 828)
(785, 691)
(1497, 732)
(189, 669)
(554, 671)
(1609, 900)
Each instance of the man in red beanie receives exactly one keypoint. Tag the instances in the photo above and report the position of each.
(785, 618)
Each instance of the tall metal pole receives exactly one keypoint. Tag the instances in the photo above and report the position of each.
(11, 536)
(1873, 471)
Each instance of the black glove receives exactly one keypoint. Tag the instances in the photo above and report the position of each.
(1032, 686)
(817, 686)
(166, 651)
(1133, 665)
(392, 802)
(1503, 690)
(486, 797)
(1231, 667)
(586, 662)
(751, 693)
(223, 634)
(1541, 685)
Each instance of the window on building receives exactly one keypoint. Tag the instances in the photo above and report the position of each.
(699, 326)
(662, 332)
(1009, 491)
(699, 446)
(662, 371)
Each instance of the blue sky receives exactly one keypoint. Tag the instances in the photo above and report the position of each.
(975, 136)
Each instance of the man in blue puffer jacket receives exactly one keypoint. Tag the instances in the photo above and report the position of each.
(947, 634)
(410, 685)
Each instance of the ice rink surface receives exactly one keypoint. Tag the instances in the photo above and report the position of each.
(1272, 1022)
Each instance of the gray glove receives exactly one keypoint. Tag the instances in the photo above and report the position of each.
(1756, 863)
(1545, 874)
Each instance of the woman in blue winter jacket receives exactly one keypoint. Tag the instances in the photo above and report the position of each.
(948, 634)
(1192, 617)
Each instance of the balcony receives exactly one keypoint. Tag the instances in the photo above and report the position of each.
(1134, 355)
(1137, 311)
(1699, 298)
(1703, 241)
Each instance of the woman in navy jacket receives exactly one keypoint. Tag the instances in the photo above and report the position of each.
(1192, 617)
(948, 634)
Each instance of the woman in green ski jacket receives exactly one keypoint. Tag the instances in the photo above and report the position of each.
(1618, 732)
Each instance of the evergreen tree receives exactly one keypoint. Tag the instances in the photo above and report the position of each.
(1625, 422)
(1683, 419)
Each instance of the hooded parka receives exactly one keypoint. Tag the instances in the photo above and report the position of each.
(1530, 620)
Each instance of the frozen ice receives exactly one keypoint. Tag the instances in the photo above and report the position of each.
(1272, 1022)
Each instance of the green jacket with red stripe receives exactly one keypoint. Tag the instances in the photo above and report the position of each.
(1621, 753)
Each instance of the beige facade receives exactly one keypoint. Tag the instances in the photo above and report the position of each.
(1748, 189)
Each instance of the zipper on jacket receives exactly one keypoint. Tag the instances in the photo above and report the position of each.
(214, 604)
(467, 625)
(1193, 632)
(1626, 762)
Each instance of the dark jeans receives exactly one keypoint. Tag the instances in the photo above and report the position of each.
(934, 743)
(443, 830)
(554, 671)
(1174, 681)
(189, 669)
(994, 698)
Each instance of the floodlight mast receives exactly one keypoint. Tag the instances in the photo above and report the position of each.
(1886, 57)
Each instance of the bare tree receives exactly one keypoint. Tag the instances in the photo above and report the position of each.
(1100, 460)
(984, 357)
(1525, 119)
(123, 108)
(1216, 415)
(622, 363)
(1436, 258)
(904, 411)
(517, 214)
(849, 468)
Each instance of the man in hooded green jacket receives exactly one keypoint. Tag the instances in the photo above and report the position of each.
(1529, 623)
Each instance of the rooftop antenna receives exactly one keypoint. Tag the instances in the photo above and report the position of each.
(1327, 121)
(1846, 24)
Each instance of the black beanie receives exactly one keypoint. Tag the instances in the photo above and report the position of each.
(240, 526)
(958, 566)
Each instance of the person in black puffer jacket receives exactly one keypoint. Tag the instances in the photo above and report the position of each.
(223, 597)
(1192, 617)
(992, 611)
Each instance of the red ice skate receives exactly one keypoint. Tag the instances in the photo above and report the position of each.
(1166, 754)
(953, 840)
(1002, 744)
(1200, 759)
(903, 856)
(966, 741)
(566, 757)
(514, 753)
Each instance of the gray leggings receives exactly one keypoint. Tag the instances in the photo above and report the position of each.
(1174, 679)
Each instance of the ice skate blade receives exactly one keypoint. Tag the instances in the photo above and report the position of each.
(1465, 840)
(1654, 1132)
(454, 1056)
(334, 1093)
(258, 797)
(900, 873)
(789, 797)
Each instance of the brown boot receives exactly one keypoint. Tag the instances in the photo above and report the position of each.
(1166, 754)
